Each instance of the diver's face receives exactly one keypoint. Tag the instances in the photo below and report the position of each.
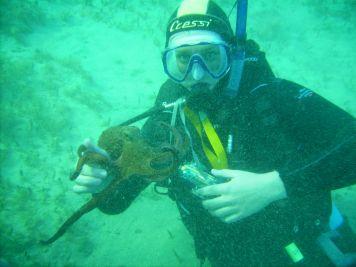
(204, 59)
(209, 53)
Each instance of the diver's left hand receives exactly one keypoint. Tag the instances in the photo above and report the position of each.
(245, 194)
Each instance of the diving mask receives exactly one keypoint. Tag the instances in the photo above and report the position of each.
(211, 58)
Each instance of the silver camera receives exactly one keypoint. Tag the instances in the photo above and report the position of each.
(198, 177)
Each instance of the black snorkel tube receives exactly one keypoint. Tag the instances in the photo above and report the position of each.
(151, 111)
(238, 51)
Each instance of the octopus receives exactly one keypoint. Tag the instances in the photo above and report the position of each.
(127, 155)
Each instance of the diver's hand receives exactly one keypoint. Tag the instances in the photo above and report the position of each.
(91, 179)
(245, 194)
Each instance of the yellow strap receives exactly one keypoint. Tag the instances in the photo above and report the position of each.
(217, 158)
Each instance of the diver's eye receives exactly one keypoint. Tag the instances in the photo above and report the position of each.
(183, 58)
(211, 55)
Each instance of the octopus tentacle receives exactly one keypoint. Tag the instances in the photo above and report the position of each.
(133, 156)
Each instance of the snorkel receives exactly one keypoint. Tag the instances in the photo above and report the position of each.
(238, 50)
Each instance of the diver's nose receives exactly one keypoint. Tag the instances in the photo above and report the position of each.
(197, 71)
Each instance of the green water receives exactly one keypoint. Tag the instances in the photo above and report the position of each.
(70, 69)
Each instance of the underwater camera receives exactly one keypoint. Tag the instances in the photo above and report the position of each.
(197, 177)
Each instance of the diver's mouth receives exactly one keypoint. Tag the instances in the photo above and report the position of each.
(200, 96)
(199, 88)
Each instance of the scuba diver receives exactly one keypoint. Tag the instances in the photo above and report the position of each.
(265, 153)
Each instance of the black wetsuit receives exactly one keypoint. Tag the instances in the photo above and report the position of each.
(276, 125)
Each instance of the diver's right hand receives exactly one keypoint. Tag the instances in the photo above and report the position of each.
(91, 180)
